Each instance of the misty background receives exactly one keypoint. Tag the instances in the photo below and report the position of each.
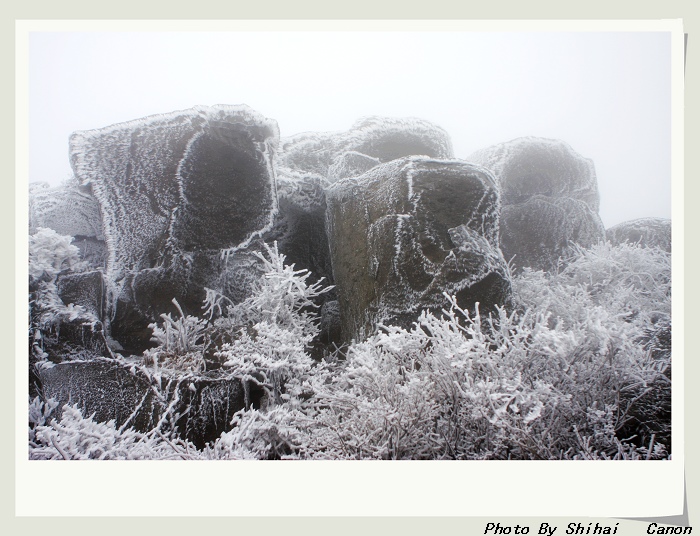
(607, 94)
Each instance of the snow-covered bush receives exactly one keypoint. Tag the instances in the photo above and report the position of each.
(452, 387)
(627, 280)
(180, 342)
(275, 327)
(617, 301)
(39, 413)
(569, 374)
(76, 437)
(273, 433)
(50, 254)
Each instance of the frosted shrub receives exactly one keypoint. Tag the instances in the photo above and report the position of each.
(282, 296)
(180, 342)
(75, 437)
(450, 387)
(39, 413)
(570, 373)
(50, 254)
(279, 321)
(260, 435)
(617, 302)
(629, 281)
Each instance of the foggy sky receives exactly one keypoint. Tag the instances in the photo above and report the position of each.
(606, 94)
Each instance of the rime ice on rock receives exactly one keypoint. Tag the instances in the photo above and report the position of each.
(370, 141)
(300, 226)
(387, 139)
(178, 193)
(69, 209)
(532, 166)
(648, 232)
(550, 199)
(170, 178)
(409, 230)
(351, 164)
(85, 289)
(542, 230)
(203, 406)
(309, 162)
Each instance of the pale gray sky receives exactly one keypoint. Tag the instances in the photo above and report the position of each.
(608, 94)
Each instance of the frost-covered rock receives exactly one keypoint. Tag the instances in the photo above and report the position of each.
(550, 199)
(202, 405)
(69, 333)
(299, 228)
(86, 289)
(542, 230)
(649, 232)
(351, 164)
(409, 230)
(180, 195)
(370, 141)
(309, 162)
(531, 166)
(390, 138)
(69, 209)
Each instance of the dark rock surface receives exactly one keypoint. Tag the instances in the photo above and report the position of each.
(550, 200)
(543, 230)
(132, 396)
(648, 232)
(77, 337)
(309, 162)
(181, 194)
(86, 289)
(330, 325)
(300, 228)
(407, 231)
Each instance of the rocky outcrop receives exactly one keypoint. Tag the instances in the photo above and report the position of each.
(69, 209)
(369, 142)
(182, 195)
(550, 200)
(309, 162)
(409, 230)
(201, 407)
(647, 232)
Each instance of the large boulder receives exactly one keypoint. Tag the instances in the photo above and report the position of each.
(182, 196)
(542, 232)
(309, 162)
(71, 210)
(201, 407)
(647, 232)
(550, 200)
(407, 231)
(369, 142)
